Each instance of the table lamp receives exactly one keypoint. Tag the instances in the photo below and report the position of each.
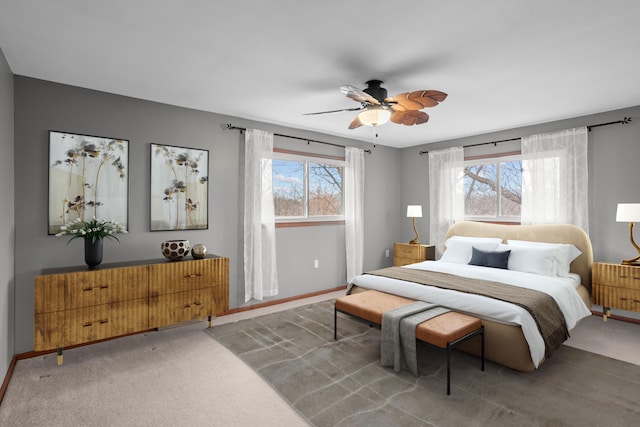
(629, 212)
(414, 211)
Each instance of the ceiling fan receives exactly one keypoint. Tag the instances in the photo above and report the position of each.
(376, 108)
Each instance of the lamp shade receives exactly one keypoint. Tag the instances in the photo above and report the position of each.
(628, 212)
(414, 211)
(374, 116)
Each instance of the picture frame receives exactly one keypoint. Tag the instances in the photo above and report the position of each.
(88, 178)
(179, 188)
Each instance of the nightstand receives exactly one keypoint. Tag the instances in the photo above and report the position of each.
(615, 286)
(406, 253)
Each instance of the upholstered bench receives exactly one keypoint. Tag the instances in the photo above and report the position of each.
(442, 332)
(367, 305)
(446, 331)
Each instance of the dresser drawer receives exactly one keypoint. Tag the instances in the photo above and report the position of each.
(400, 261)
(70, 327)
(89, 288)
(623, 276)
(614, 297)
(182, 306)
(179, 276)
(416, 252)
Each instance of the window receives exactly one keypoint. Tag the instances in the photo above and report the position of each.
(493, 189)
(307, 188)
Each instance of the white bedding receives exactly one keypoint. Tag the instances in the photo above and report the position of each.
(561, 289)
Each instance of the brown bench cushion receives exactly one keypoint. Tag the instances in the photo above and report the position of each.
(447, 328)
(370, 305)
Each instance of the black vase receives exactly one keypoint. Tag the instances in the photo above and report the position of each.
(92, 253)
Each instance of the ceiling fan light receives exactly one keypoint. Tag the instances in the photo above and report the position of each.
(373, 116)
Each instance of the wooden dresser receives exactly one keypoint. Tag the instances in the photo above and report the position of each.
(615, 286)
(407, 253)
(75, 305)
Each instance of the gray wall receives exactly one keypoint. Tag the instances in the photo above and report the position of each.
(41, 106)
(614, 175)
(6, 216)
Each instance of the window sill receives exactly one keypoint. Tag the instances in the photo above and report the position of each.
(289, 224)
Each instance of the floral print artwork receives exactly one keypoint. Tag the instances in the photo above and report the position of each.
(179, 188)
(88, 179)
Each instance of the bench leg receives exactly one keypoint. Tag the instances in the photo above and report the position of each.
(335, 323)
(448, 368)
(482, 346)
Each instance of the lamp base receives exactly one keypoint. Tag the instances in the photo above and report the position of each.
(414, 242)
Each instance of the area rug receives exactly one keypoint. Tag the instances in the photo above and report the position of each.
(341, 383)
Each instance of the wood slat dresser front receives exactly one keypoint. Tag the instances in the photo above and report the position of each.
(75, 305)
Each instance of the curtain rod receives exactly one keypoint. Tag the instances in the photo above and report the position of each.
(229, 126)
(624, 121)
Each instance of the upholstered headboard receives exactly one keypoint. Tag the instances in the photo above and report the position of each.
(549, 233)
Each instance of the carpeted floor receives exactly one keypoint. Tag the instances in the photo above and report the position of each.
(341, 383)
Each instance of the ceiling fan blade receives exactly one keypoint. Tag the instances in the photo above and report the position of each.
(356, 123)
(410, 117)
(334, 111)
(418, 99)
(358, 95)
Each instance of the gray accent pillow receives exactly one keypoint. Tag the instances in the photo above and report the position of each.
(494, 259)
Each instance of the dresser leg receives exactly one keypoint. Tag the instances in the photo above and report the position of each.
(60, 356)
(209, 321)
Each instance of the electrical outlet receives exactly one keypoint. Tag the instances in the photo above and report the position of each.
(315, 263)
(386, 253)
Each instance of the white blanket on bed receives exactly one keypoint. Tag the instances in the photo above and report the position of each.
(561, 289)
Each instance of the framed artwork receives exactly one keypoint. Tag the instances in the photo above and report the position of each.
(88, 178)
(179, 188)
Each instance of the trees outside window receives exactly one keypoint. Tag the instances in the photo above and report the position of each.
(493, 189)
(307, 188)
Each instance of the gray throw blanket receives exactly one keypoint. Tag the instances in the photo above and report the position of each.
(398, 334)
(542, 307)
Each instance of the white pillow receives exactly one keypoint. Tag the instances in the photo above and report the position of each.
(566, 253)
(459, 248)
(533, 259)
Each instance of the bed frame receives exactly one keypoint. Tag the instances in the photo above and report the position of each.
(505, 344)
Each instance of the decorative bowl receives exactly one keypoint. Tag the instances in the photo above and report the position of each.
(175, 249)
(199, 251)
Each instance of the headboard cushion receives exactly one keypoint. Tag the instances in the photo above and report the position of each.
(549, 233)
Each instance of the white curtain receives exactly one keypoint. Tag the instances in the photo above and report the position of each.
(555, 178)
(353, 210)
(260, 272)
(446, 193)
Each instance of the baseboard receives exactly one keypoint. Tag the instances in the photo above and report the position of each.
(281, 301)
(617, 317)
(7, 377)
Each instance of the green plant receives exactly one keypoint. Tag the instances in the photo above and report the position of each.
(93, 230)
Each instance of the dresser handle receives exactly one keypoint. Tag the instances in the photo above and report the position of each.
(101, 322)
(96, 287)
(189, 276)
(191, 305)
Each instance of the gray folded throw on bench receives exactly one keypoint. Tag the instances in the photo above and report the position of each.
(398, 334)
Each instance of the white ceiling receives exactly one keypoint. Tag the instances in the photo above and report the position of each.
(504, 63)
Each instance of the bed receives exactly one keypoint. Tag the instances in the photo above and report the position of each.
(513, 337)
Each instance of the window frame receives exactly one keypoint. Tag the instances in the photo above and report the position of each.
(306, 220)
(495, 159)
